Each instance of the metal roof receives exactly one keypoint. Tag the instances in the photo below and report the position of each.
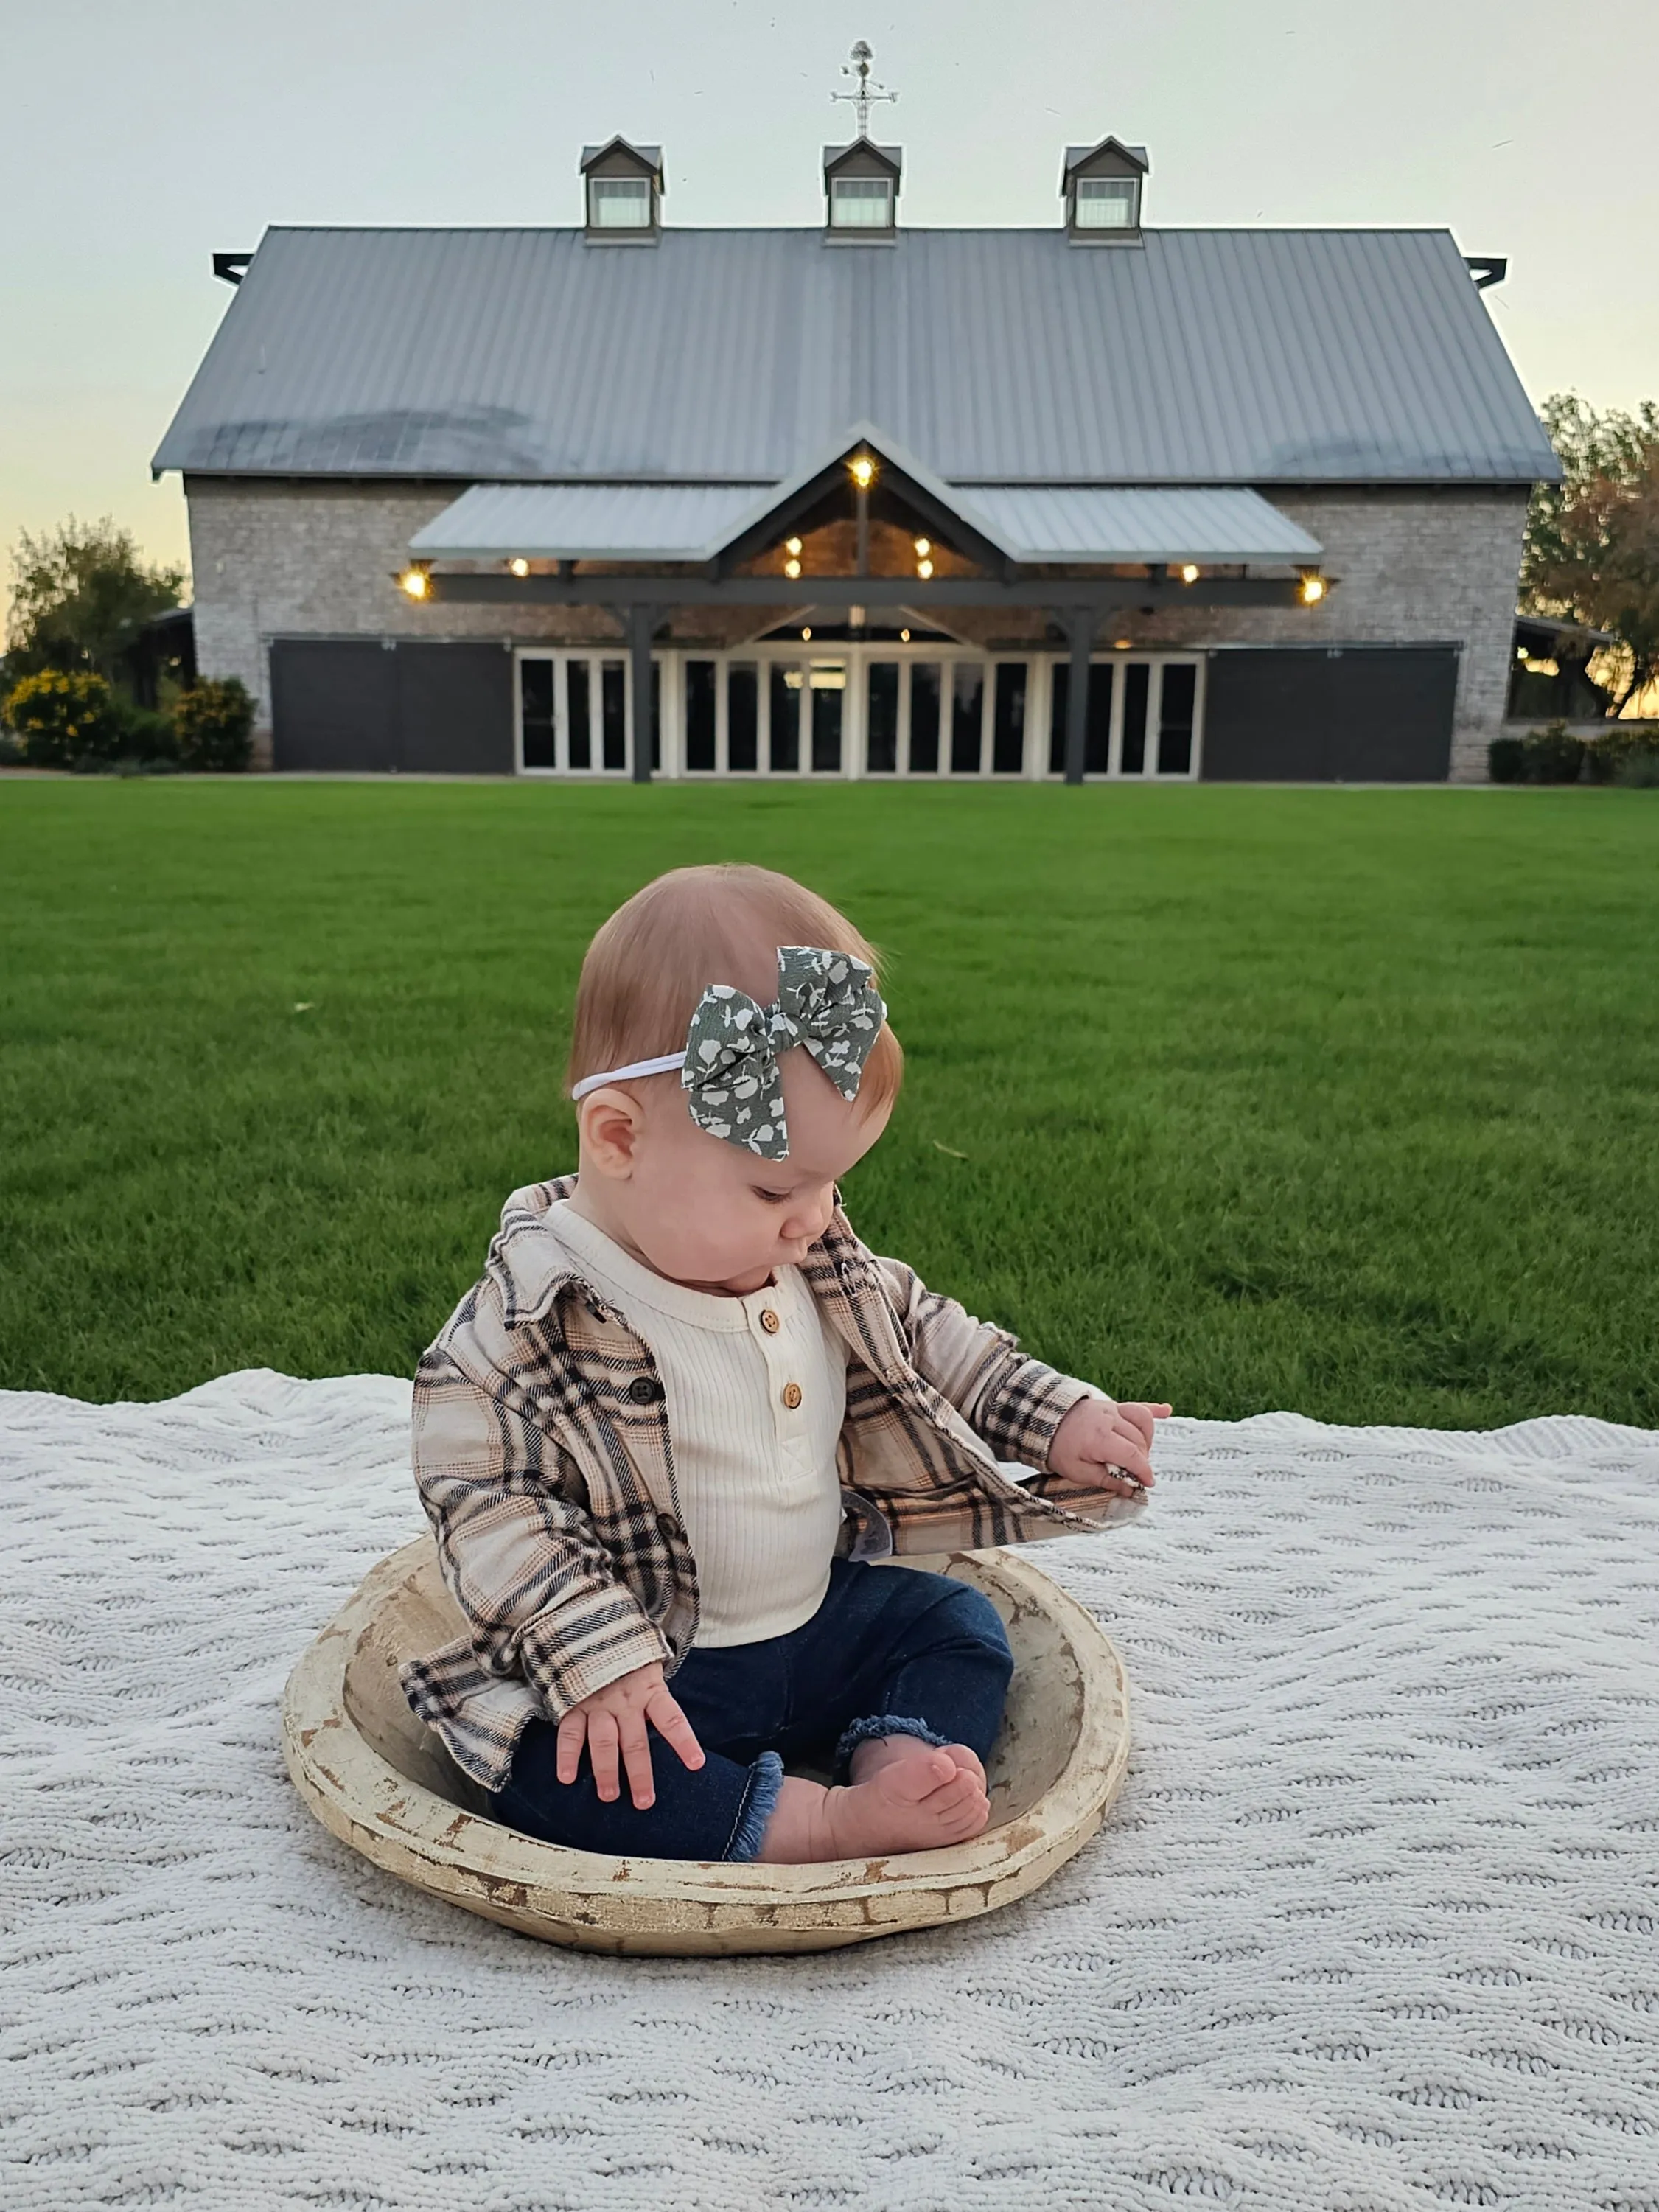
(1133, 524)
(693, 522)
(1200, 357)
(586, 522)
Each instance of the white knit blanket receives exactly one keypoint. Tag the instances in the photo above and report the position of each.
(1373, 1925)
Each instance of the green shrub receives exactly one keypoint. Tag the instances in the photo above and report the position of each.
(11, 750)
(213, 722)
(148, 735)
(1622, 746)
(1640, 771)
(1551, 754)
(1503, 760)
(65, 720)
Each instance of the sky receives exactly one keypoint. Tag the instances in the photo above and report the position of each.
(137, 140)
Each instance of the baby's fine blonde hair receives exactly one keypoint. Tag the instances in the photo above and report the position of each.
(652, 962)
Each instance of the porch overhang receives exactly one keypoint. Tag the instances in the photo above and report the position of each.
(637, 588)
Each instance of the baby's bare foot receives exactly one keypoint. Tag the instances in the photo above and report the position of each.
(913, 1796)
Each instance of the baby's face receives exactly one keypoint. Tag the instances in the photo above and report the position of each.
(705, 1213)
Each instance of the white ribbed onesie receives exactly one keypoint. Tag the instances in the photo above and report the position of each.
(756, 1394)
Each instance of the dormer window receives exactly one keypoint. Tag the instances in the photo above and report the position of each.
(619, 204)
(861, 203)
(1107, 202)
(624, 184)
(1102, 187)
(861, 184)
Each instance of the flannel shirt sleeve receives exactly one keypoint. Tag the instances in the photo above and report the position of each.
(1014, 1402)
(518, 1552)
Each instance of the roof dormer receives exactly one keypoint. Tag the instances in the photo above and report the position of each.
(861, 190)
(624, 185)
(1102, 186)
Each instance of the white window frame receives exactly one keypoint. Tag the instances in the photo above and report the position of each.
(1105, 193)
(620, 193)
(855, 660)
(862, 192)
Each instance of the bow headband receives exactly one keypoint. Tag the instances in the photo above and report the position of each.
(827, 1002)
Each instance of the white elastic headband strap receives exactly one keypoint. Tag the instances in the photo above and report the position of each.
(661, 1065)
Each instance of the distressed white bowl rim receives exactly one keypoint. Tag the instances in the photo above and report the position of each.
(684, 1907)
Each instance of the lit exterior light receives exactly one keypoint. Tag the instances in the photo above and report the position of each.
(792, 546)
(863, 472)
(791, 568)
(805, 636)
(519, 565)
(416, 582)
(904, 637)
(1189, 572)
(1122, 644)
(924, 547)
(1313, 590)
(924, 570)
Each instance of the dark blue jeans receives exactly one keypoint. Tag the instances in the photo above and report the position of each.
(892, 1652)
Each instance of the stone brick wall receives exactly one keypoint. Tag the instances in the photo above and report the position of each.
(1412, 567)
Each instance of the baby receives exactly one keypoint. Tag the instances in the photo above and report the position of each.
(665, 1437)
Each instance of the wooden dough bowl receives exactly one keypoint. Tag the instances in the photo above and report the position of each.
(380, 1780)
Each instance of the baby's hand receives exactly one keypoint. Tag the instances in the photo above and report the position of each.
(616, 1717)
(1096, 1436)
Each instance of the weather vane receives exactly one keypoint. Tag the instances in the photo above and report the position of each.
(865, 96)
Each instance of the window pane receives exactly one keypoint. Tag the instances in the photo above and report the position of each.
(786, 690)
(1097, 740)
(828, 684)
(1058, 696)
(1008, 719)
(581, 723)
(1175, 720)
(619, 203)
(1106, 202)
(883, 750)
(700, 714)
(860, 203)
(966, 717)
(924, 717)
(613, 699)
(536, 706)
(742, 717)
(1136, 678)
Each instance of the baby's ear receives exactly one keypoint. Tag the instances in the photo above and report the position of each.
(609, 1122)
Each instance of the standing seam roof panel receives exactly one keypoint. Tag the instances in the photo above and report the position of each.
(1237, 356)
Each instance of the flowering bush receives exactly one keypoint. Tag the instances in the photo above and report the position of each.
(65, 720)
(213, 723)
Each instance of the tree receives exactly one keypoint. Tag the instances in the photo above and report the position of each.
(80, 596)
(1592, 545)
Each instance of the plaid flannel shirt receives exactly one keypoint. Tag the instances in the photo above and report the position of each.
(541, 1454)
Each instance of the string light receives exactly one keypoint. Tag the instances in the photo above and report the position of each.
(924, 547)
(792, 546)
(416, 582)
(1122, 644)
(1189, 572)
(924, 570)
(904, 637)
(791, 568)
(519, 565)
(805, 637)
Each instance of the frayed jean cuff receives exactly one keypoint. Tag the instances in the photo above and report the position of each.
(760, 1802)
(874, 1726)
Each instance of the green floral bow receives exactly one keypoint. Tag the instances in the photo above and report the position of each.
(827, 1002)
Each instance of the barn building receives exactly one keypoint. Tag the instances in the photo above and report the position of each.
(1100, 500)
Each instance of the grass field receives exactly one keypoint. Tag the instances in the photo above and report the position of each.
(1343, 1101)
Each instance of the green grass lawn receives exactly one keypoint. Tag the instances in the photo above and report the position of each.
(1336, 1100)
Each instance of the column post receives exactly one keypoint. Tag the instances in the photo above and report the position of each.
(640, 622)
(1079, 625)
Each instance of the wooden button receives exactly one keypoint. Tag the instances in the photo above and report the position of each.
(769, 1321)
(792, 1395)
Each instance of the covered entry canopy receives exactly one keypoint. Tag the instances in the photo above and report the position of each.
(1030, 525)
